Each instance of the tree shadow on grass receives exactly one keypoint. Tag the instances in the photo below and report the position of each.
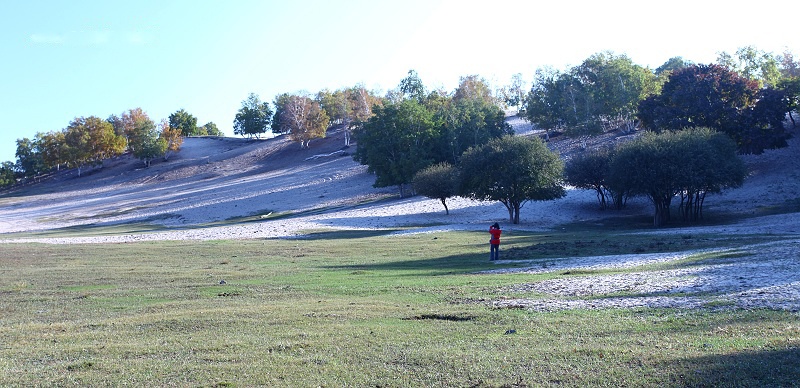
(434, 266)
(779, 368)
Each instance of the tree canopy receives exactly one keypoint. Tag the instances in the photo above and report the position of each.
(512, 170)
(715, 97)
(691, 163)
(184, 122)
(253, 118)
(301, 117)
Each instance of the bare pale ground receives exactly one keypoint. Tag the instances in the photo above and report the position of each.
(205, 191)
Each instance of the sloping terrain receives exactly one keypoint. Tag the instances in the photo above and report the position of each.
(234, 188)
(241, 189)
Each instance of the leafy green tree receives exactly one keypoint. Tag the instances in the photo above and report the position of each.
(144, 138)
(184, 122)
(555, 100)
(672, 64)
(790, 89)
(210, 129)
(412, 87)
(335, 104)
(615, 86)
(439, 181)
(253, 118)
(514, 93)
(278, 126)
(399, 140)
(590, 170)
(8, 174)
(467, 122)
(302, 118)
(753, 64)
(691, 163)
(512, 170)
(715, 97)
(29, 158)
(52, 146)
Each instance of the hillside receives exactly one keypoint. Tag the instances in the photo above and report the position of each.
(233, 188)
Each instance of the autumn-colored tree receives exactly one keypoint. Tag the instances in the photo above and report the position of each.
(473, 87)
(136, 124)
(303, 118)
(173, 137)
(89, 140)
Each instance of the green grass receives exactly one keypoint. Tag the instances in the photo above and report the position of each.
(359, 308)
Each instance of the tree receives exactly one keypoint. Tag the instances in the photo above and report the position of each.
(335, 104)
(439, 181)
(512, 170)
(715, 97)
(29, 157)
(590, 170)
(136, 123)
(467, 122)
(8, 174)
(173, 137)
(412, 87)
(144, 138)
(753, 64)
(302, 118)
(672, 64)
(278, 126)
(184, 122)
(472, 87)
(399, 140)
(515, 92)
(692, 163)
(210, 129)
(360, 102)
(554, 100)
(52, 146)
(615, 86)
(253, 118)
(89, 140)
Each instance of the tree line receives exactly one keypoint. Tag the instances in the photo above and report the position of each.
(411, 129)
(697, 119)
(87, 141)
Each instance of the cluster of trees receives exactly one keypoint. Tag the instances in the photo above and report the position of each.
(415, 128)
(87, 141)
(442, 144)
(697, 118)
(747, 95)
(661, 166)
(445, 144)
(305, 117)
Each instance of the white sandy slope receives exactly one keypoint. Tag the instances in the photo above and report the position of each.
(213, 180)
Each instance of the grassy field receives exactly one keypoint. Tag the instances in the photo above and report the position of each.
(359, 309)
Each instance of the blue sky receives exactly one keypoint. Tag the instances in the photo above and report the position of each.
(66, 59)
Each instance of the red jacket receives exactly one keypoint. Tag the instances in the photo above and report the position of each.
(495, 235)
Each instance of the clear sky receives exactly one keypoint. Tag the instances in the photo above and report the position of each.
(66, 59)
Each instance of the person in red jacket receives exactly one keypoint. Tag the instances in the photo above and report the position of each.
(494, 243)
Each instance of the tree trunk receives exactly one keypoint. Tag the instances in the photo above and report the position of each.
(446, 210)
